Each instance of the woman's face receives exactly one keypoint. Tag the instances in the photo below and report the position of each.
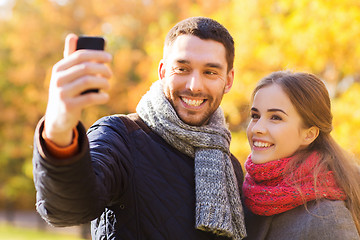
(276, 129)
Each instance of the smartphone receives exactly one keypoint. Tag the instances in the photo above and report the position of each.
(87, 42)
(94, 43)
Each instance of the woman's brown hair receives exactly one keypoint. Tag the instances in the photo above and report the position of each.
(311, 99)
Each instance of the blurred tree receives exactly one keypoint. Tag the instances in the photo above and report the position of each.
(346, 110)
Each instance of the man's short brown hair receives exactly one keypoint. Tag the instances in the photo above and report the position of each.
(203, 28)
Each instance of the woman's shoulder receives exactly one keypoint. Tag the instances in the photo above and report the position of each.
(326, 207)
(323, 219)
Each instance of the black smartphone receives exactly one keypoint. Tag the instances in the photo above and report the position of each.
(94, 43)
(87, 42)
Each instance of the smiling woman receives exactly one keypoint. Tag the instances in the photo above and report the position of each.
(299, 181)
(272, 122)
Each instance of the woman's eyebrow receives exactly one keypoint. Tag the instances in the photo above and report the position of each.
(277, 110)
(270, 110)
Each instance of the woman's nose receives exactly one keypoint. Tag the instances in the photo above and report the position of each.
(259, 127)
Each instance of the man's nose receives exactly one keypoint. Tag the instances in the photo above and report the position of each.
(195, 82)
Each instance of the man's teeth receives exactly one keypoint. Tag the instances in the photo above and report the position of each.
(262, 144)
(192, 102)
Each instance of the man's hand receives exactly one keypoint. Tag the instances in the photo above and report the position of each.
(76, 72)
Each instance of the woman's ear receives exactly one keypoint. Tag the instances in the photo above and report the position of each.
(310, 135)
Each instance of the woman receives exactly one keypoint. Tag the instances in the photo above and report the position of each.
(299, 183)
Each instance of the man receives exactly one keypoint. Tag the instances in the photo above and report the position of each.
(163, 173)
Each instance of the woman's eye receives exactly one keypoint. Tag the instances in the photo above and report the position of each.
(254, 116)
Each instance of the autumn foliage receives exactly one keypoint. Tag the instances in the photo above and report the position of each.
(304, 35)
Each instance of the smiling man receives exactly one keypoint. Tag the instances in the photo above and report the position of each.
(194, 78)
(166, 171)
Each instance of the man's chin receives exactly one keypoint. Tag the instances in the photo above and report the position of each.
(193, 120)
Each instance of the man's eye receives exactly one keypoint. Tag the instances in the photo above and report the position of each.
(210, 72)
(276, 117)
(180, 70)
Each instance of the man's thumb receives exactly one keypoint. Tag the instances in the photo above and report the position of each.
(70, 44)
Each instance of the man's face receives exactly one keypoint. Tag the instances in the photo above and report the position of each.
(195, 78)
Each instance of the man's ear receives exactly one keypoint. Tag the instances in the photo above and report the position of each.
(161, 69)
(229, 81)
(310, 135)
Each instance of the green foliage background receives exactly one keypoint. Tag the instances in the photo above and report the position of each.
(303, 35)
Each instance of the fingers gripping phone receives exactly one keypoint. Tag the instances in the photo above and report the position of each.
(94, 43)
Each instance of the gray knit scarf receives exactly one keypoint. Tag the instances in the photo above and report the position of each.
(218, 204)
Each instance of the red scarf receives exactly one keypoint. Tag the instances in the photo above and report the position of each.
(267, 191)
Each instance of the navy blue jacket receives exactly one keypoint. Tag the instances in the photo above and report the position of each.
(133, 186)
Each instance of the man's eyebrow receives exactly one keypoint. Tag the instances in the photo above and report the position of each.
(214, 65)
(270, 110)
(211, 65)
(183, 61)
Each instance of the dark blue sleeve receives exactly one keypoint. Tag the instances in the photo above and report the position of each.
(76, 190)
